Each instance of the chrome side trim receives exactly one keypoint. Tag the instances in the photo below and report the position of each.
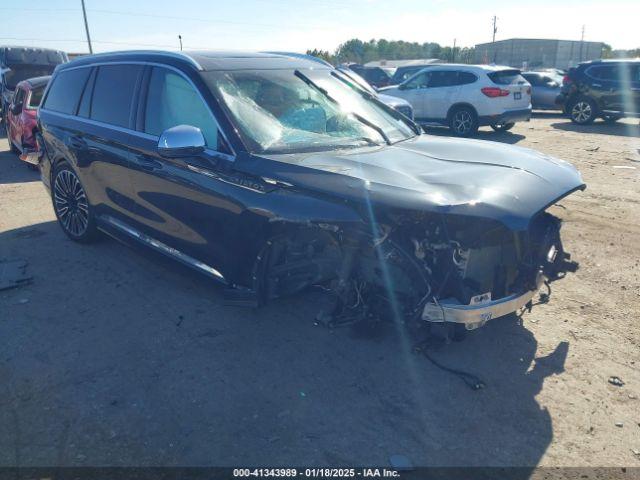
(163, 248)
(474, 316)
(211, 174)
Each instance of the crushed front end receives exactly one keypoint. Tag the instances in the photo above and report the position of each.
(478, 269)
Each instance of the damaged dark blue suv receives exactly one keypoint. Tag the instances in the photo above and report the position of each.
(273, 174)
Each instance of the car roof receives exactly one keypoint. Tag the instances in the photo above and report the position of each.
(611, 60)
(466, 67)
(38, 81)
(204, 60)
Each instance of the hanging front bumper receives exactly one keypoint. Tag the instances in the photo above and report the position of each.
(479, 312)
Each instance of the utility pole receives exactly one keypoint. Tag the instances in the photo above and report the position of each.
(86, 26)
(180, 38)
(495, 29)
(493, 42)
(453, 52)
(581, 42)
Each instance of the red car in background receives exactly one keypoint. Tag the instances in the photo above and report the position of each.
(22, 118)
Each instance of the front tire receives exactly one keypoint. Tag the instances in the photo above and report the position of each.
(583, 111)
(71, 205)
(503, 127)
(463, 122)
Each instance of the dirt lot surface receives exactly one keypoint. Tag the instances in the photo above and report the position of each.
(114, 356)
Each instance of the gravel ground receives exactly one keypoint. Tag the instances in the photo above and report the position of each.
(114, 356)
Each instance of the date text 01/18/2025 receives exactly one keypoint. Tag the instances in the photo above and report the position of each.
(316, 472)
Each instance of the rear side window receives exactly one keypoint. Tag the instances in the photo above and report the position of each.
(443, 79)
(465, 78)
(603, 72)
(173, 101)
(506, 77)
(66, 89)
(36, 97)
(113, 93)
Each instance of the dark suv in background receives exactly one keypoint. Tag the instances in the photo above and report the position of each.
(602, 88)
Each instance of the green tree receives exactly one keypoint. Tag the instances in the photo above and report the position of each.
(359, 51)
(323, 54)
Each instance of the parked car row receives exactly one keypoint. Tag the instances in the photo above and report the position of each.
(272, 173)
(464, 97)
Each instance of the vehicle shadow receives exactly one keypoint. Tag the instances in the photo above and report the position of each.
(489, 135)
(621, 129)
(113, 356)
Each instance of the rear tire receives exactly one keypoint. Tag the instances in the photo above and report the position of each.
(583, 111)
(503, 127)
(71, 205)
(463, 121)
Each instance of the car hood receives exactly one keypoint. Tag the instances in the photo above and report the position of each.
(446, 175)
(393, 101)
(388, 90)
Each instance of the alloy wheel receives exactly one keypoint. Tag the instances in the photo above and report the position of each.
(462, 122)
(70, 202)
(581, 112)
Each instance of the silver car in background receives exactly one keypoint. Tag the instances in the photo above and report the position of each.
(545, 89)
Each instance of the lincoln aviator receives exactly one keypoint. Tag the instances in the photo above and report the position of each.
(273, 174)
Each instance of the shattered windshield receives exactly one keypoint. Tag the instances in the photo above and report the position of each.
(278, 111)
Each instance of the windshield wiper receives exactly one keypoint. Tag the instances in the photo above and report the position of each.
(357, 116)
(369, 96)
(372, 125)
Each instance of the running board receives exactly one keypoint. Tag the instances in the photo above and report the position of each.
(158, 246)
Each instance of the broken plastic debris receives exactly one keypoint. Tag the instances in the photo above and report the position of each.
(617, 381)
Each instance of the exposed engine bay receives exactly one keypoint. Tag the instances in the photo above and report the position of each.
(416, 267)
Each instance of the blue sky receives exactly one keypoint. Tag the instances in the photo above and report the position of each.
(296, 25)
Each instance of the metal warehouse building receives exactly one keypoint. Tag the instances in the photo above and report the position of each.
(536, 53)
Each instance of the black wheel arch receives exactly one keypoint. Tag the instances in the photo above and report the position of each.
(456, 106)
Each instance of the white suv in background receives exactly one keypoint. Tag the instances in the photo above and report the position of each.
(464, 97)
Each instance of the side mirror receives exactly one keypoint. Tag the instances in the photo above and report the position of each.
(16, 109)
(553, 84)
(402, 86)
(181, 141)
